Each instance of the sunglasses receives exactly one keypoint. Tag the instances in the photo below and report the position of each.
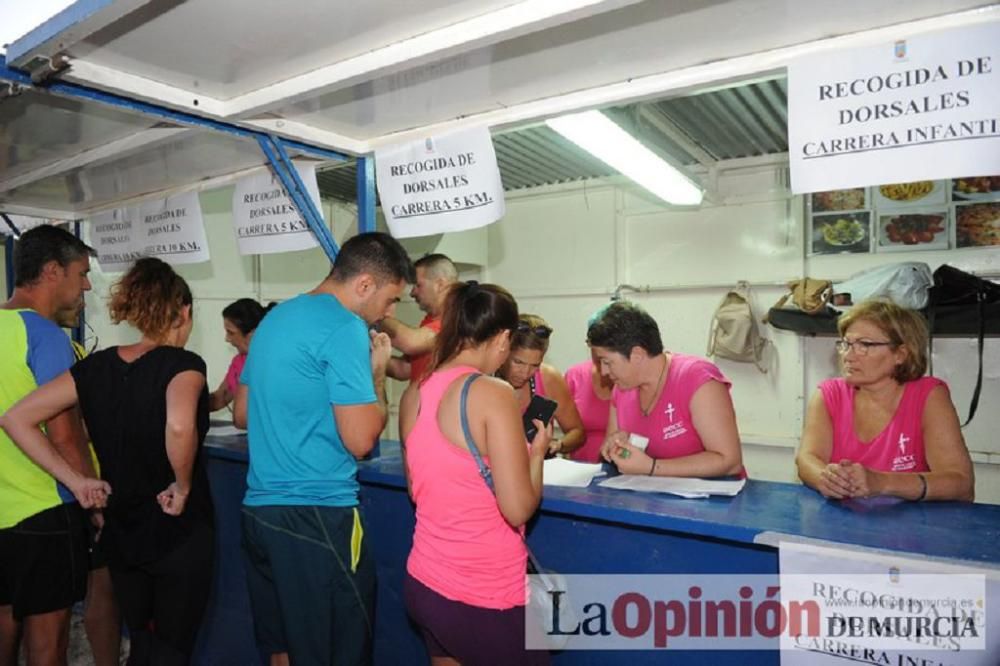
(542, 332)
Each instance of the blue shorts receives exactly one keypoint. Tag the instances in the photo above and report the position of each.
(311, 579)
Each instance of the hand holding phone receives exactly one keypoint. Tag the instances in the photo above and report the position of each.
(539, 408)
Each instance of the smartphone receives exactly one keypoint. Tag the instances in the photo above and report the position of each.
(539, 408)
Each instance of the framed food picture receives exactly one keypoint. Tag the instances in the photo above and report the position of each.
(977, 188)
(838, 200)
(977, 225)
(843, 232)
(918, 229)
(907, 195)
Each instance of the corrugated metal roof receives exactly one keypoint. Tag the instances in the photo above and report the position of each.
(742, 121)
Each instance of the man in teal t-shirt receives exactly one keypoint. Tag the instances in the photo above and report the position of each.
(312, 396)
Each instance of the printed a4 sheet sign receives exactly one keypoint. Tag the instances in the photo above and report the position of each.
(265, 218)
(171, 229)
(440, 184)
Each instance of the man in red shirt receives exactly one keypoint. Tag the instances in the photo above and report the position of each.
(435, 275)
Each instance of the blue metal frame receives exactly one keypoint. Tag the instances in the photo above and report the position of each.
(79, 331)
(366, 194)
(275, 148)
(8, 263)
(292, 182)
(163, 113)
(71, 16)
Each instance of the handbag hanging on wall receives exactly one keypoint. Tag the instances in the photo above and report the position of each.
(956, 291)
(547, 602)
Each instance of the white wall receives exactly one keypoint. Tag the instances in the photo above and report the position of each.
(562, 250)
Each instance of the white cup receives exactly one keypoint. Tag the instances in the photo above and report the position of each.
(638, 441)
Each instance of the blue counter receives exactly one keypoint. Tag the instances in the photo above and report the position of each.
(599, 530)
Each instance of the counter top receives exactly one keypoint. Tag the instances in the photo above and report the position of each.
(762, 513)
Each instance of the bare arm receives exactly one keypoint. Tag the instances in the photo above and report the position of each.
(409, 408)
(398, 368)
(566, 414)
(240, 406)
(55, 405)
(813, 458)
(360, 425)
(181, 437)
(220, 397)
(407, 339)
(517, 473)
(951, 474)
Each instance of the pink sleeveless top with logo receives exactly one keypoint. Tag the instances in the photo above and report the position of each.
(899, 447)
(593, 412)
(669, 427)
(463, 548)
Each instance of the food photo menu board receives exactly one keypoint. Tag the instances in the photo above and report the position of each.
(923, 215)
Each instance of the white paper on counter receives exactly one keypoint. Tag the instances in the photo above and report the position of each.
(562, 472)
(684, 487)
(225, 431)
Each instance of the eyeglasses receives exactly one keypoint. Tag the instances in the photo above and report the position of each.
(541, 331)
(860, 347)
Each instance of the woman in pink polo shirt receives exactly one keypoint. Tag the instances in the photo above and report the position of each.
(465, 585)
(883, 428)
(679, 403)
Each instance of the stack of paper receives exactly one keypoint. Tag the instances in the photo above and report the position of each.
(562, 472)
(225, 430)
(674, 485)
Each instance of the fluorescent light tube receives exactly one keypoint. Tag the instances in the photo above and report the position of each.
(605, 140)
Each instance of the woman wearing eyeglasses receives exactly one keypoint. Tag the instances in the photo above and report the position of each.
(679, 403)
(884, 428)
(239, 319)
(525, 371)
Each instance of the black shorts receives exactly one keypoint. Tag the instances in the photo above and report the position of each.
(469, 634)
(44, 561)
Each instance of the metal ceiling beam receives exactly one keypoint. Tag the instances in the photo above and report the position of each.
(672, 131)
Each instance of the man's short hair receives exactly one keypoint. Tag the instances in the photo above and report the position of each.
(376, 253)
(37, 247)
(437, 265)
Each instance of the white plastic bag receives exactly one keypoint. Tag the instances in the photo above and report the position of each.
(905, 283)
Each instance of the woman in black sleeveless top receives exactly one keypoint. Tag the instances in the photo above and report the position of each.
(145, 406)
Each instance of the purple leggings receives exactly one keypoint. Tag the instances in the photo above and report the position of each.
(469, 634)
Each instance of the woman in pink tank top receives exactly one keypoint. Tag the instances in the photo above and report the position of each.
(525, 371)
(883, 428)
(680, 404)
(466, 586)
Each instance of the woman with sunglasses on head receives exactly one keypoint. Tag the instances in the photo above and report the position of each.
(679, 404)
(525, 371)
(465, 585)
(239, 319)
(884, 428)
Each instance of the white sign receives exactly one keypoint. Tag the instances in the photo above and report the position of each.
(924, 108)
(265, 218)
(172, 229)
(887, 609)
(440, 184)
(113, 234)
(25, 222)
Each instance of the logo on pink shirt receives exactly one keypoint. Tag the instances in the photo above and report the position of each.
(903, 462)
